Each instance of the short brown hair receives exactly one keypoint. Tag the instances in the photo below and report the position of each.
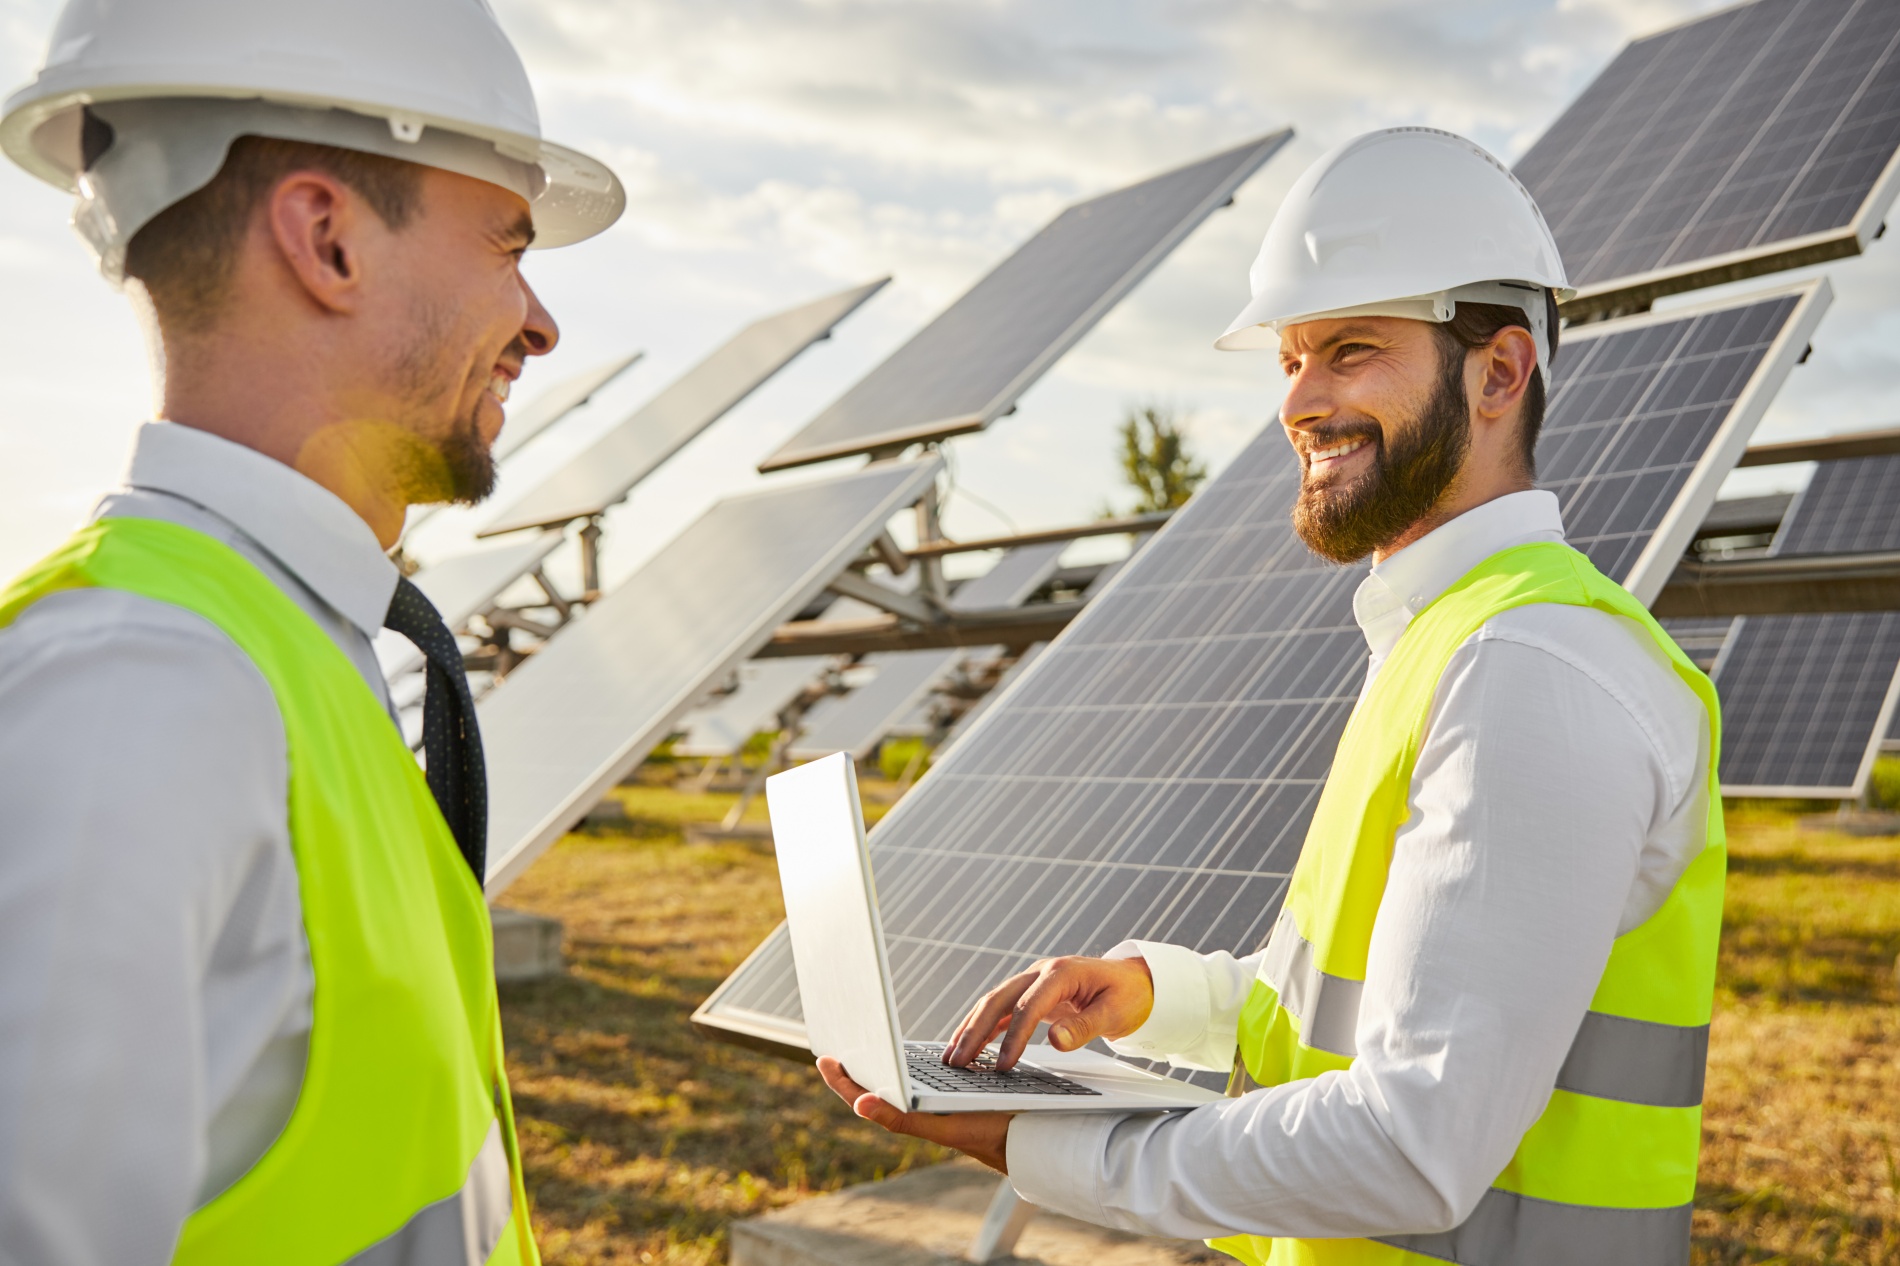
(1474, 325)
(184, 255)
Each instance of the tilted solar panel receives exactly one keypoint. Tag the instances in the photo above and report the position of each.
(1760, 137)
(966, 368)
(721, 726)
(576, 717)
(1152, 773)
(1806, 699)
(857, 722)
(601, 474)
(555, 403)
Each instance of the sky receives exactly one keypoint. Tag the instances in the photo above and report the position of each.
(777, 150)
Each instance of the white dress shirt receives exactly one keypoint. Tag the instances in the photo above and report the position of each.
(154, 978)
(1560, 791)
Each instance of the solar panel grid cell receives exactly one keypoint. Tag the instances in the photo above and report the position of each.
(1152, 774)
(1807, 698)
(1756, 126)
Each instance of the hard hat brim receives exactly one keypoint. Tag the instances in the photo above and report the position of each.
(582, 196)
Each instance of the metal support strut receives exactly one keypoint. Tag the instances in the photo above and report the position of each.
(1003, 1224)
(590, 560)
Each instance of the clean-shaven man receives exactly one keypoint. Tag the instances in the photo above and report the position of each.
(1478, 1030)
(247, 1004)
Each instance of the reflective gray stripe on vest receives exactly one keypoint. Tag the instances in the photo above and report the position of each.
(1636, 1061)
(1327, 1007)
(1631, 1061)
(458, 1230)
(1507, 1229)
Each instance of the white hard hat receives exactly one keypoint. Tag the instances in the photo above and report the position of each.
(139, 101)
(1402, 222)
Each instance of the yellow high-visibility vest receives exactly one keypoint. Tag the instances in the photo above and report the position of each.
(401, 1146)
(1607, 1173)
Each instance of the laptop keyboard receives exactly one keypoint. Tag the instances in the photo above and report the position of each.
(924, 1062)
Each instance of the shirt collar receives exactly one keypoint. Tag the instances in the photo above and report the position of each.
(303, 525)
(1410, 580)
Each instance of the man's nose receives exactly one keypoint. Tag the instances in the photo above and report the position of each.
(539, 333)
(1308, 402)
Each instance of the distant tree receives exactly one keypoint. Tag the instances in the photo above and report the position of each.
(1155, 459)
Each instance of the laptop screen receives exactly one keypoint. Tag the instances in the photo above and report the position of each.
(824, 869)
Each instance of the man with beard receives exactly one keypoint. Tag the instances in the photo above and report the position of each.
(247, 1001)
(1477, 1032)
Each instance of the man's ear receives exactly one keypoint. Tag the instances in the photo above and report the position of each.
(317, 224)
(1501, 372)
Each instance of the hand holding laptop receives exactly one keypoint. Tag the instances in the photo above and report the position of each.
(850, 1004)
(981, 1136)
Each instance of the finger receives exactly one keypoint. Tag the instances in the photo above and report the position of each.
(1035, 1006)
(878, 1112)
(986, 1019)
(839, 1080)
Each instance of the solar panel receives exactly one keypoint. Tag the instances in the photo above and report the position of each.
(722, 726)
(556, 402)
(577, 716)
(602, 474)
(1806, 699)
(1152, 773)
(1700, 637)
(462, 588)
(857, 722)
(966, 368)
(1760, 137)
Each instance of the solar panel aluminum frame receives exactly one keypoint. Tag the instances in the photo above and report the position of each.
(776, 1034)
(1673, 535)
(1635, 292)
(1643, 289)
(508, 859)
(1005, 400)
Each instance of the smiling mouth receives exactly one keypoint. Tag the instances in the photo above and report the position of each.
(1326, 456)
(498, 387)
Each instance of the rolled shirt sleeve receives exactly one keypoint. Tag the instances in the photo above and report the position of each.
(1532, 799)
(1197, 1001)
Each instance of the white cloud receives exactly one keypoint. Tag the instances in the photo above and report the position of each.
(777, 149)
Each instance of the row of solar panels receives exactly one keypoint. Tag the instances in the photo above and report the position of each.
(1152, 772)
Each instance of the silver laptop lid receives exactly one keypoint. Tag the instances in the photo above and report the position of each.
(824, 869)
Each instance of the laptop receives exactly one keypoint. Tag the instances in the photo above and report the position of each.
(844, 978)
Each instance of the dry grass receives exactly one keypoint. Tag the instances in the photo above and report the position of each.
(1801, 1129)
(642, 1140)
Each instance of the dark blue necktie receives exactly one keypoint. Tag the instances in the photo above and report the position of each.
(451, 743)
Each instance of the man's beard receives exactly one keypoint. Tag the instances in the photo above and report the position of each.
(470, 461)
(1407, 479)
(458, 466)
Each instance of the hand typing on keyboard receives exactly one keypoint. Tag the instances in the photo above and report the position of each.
(924, 1062)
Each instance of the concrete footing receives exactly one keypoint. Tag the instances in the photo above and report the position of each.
(1854, 822)
(931, 1217)
(527, 946)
